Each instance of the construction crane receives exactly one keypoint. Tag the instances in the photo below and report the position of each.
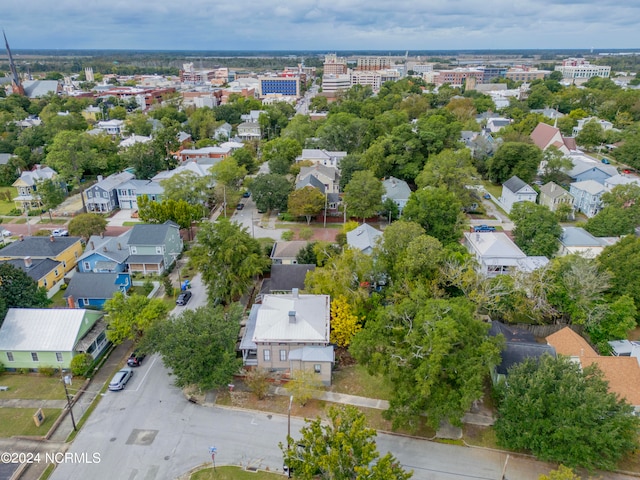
(15, 78)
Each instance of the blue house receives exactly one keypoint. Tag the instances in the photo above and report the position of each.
(103, 197)
(91, 290)
(587, 168)
(105, 255)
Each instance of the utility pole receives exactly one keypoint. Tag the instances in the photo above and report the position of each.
(66, 379)
(289, 433)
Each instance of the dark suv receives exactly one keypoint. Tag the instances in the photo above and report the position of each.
(183, 298)
(135, 359)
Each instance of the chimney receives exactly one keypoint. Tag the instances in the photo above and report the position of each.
(292, 316)
(28, 262)
(70, 302)
(91, 245)
(52, 238)
(104, 249)
(119, 246)
(22, 238)
(294, 293)
(100, 178)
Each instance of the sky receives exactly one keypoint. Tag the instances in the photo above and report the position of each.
(321, 25)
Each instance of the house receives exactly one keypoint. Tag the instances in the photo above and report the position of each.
(363, 238)
(622, 372)
(223, 132)
(588, 168)
(397, 190)
(132, 140)
(520, 345)
(286, 253)
(290, 332)
(105, 254)
(111, 127)
(621, 179)
(103, 196)
(249, 131)
(28, 198)
(285, 277)
(321, 157)
(495, 124)
(46, 272)
(153, 248)
(578, 240)
(5, 157)
(41, 88)
(65, 251)
(198, 169)
(91, 290)
(202, 154)
(515, 190)
(50, 337)
(129, 192)
(587, 196)
(553, 195)
(496, 254)
(327, 176)
(545, 136)
(583, 121)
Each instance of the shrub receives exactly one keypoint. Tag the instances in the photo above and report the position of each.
(47, 371)
(23, 371)
(303, 385)
(81, 363)
(288, 235)
(258, 382)
(305, 233)
(147, 287)
(15, 212)
(168, 287)
(287, 217)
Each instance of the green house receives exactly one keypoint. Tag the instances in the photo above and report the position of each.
(50, 337)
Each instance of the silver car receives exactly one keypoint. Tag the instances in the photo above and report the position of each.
(120, 379)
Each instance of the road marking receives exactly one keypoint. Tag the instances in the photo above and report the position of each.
(144, 376)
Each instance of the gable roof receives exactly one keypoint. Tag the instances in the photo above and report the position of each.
(515, 184)
(38, 173)
(141, 187)
(113, 248)
(542, 135)
(150, 234)
(310, 181)
(38, 247)
(494, 244)
(396, 189)
(115, 180)
(589, 186)
(287, 249)
(286, 277)
(363, 237)
(196, 168)
(39, 267)
(569, 343)
(43, 329)
(93, 285)
(579, 237)
(326, 170)
(553, 190)
(311, 313)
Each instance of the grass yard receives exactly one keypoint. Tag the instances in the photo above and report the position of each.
(234, 473)
(19, 421)
(6, 204)
(31, 387)
(354, 380)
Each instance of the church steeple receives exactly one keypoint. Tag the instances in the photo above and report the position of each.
(17, 84)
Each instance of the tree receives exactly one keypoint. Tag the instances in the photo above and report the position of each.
(144, 158)
(452, 170)
(130, 317)
(344, 323)
(87, 224)
(280, 153)
(303, 384)
(70, 155)
(270, 191)
(621, 213)
(537, 230)
(556, 166)
(623, 281)
(562, 473)
(437, 211)
(563, 412)
(198, 345)
(244, 158)
(514, 158)
(179, 212)
(227, 172)
(436, 354)
(138, 124)
(343, 132)
(228, 259)
(51, 194)
(258, 381)
(18, 290)
(591, 134)
(363, 195)
(344, 448)
(188, 186)
(307, 202)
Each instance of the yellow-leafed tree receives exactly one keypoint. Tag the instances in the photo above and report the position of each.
(344, 323)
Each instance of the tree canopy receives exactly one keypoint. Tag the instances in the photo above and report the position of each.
(18, 290)
(537, 230)
(363, 194)
(130, 317)
(87, 224)
(307, 201)
(271, 191)
(438, 211)
(514, 158)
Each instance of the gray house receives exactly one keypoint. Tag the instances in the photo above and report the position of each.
(103, 196)
(397, 190)
(153, 248)
(516, 190)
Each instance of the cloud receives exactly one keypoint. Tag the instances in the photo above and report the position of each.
(311, 24)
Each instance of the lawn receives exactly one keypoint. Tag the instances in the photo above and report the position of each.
(234, 473)
(19, 421)
(31, 387)
(354, 380)
(7, 205)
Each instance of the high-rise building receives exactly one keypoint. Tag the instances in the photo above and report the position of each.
(575, 68)
(334, 65)
(373, 63)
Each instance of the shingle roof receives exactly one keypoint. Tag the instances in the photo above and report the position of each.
(115, 180)
(310, 181)
(92, 285)
(113, 248)
(515, 184)
(38, 269)
(622, 373)
(43, 329)
(38, 247)
(396, 189)
(286, 277)
(363, 237)
(590, 186)
(150, 234)
(553, 190)
(543, 134)
(288, 249)
(579, 237)
(569, 343)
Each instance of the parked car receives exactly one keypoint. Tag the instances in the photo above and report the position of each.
(6, 233)
(484, 228)
(606, 161)
(246, 194)
(240, 206)
(60, 232)
(183, 298)
(486, 196)
(135, 359)
(120, 379)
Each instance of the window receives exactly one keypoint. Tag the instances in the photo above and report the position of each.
(10, 356)
(159, 250)
(55, 272)
(58, 356)
(87, 265)
(34, 356)
(317, 368)
(90, 194)
(105, 194)
(134, 250)
(283, 355)
(267, 355)
(85, 302)
(44, 282)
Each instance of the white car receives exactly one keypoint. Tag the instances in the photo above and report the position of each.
(60, 233)
(6, 233)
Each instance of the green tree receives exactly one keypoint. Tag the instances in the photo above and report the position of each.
(244, 158)
(436, 354)
(363, 195)
(438, 211)
(343, 448)
(144, 158)
(617, 321)
(343, 132)
(87, 224)
(562, 473)
(188, 186)
(563, 412)
(450, 169)
(18, 290)
(271, 191)
(280, 153)
(537, 230)
(556, 166)
(228, 172)
(303, 384)
(514, 158)
(51, 194)
(198, 345)
(591, 134)
(623, 281)
(130, 317)
(138, 124)
(259, 382)
(70, 154)
(228, 259)
(202, 123)
(307, 202)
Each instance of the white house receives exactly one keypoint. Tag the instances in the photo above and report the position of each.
(321, 157)
(515, 190)
(587, 196)
(578, 240)
(363, 238)
(397, 190)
